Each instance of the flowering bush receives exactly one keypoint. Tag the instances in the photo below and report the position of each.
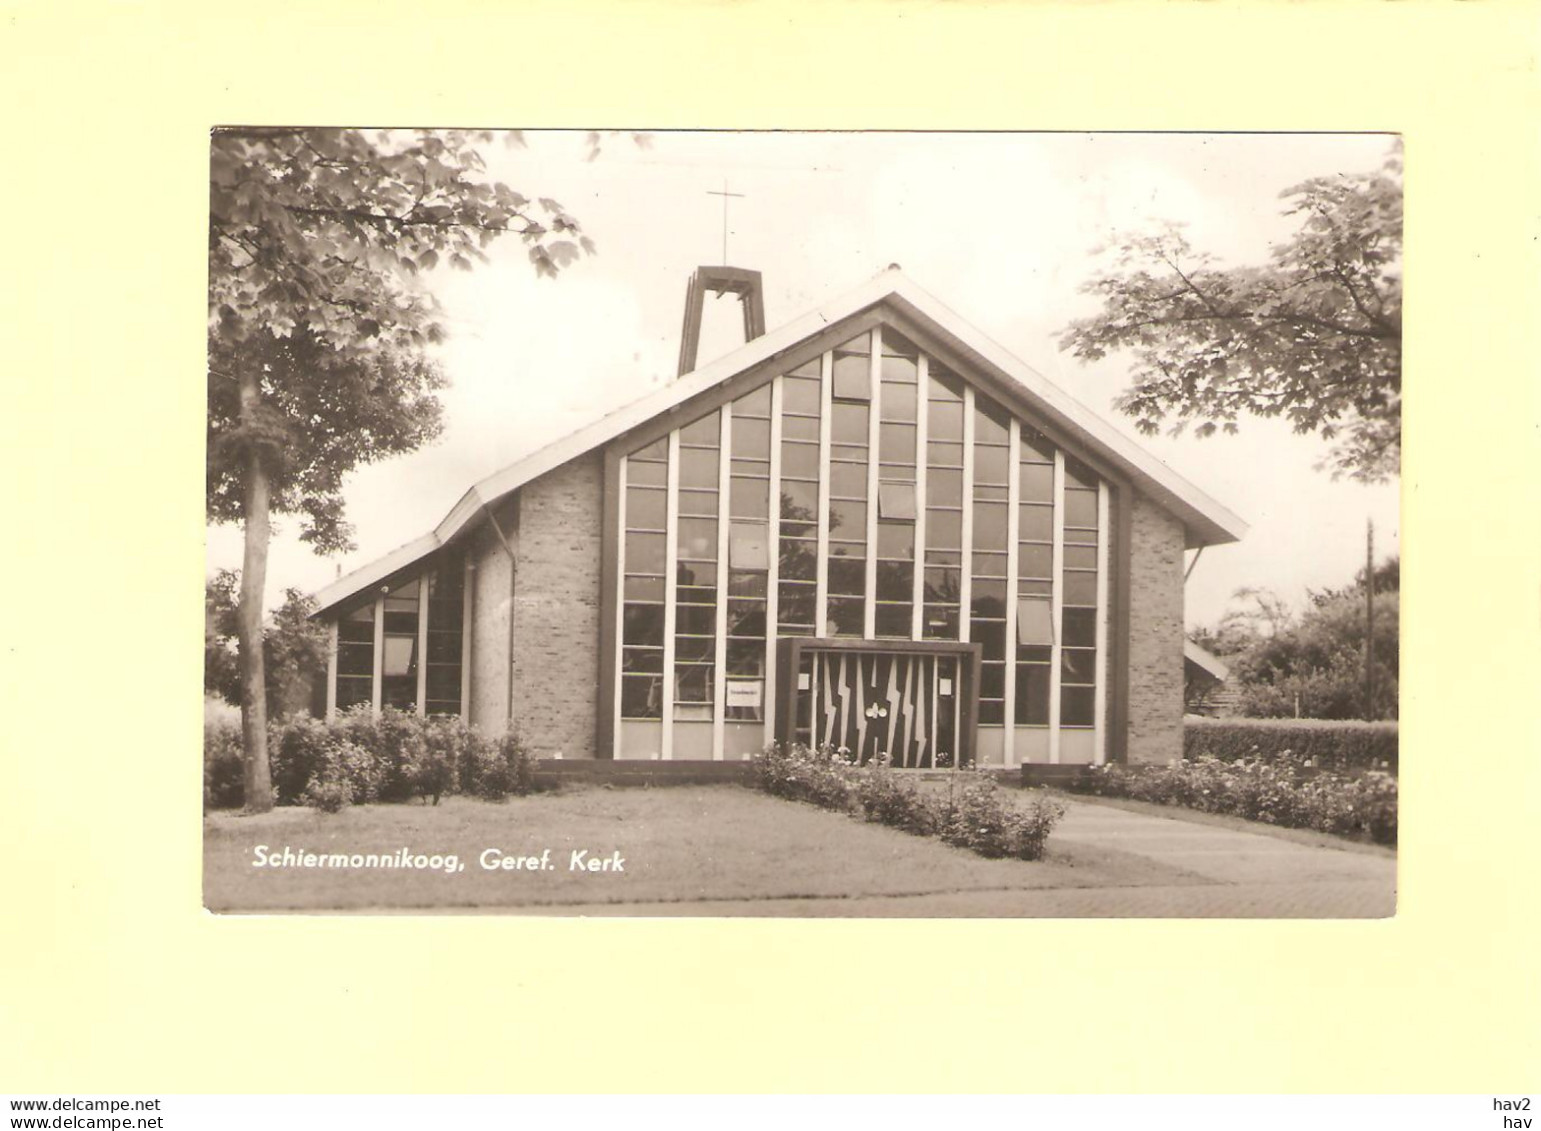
(979, 817)
(1279, 790)
(360, 758)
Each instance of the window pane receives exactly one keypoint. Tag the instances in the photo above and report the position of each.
(642, 660)
(853, 377)
(990, 422)
(400, 655)
(1078, 665)
(896, 501)
(848, 480)
(1035, 446)
(848, 520)
(942, 585)
(642, 696)
(848, 424)
(895, 581)
(845, 616)
(990, 464)
(1080, 557)
(898, 401)
(1035, 623)
(698, 539)
(1077, 706)
(750, 498)
(698, 467)
(642, 624)
(1036, 524)
(645, 507)
(800, 394)
(800, 428)
(707, 431)
(1080, 588)
(658, 450)
(941, 622)
(1080, 627)
(989, 526)
(800, 461)
(1033, 694)
(897, 444)
(757, 403)
(747, 549)
(656, 474)
(798, 560)
(1035, 560)
(944, 529)
(847, 575)
(751, 438)
(945, 421)
(896, 540)
(1037, 483)
(944, 487)
(939, 454)
(356, 659)
(892, 620)
(644, 589)
(1080, 508)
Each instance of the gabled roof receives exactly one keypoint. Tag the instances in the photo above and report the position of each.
(1206, 660)
(1207, 522)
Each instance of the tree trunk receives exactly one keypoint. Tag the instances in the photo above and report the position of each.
(254, 707)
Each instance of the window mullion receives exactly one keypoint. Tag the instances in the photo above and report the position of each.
(671, 571)
(467, 619)
(1100, 694)
(922, 412)
(379, 664)
(424, 585)
(620, 606)
(821, 568)
(773, 565)
(1056, 603)
(1013, 530)
(966, 574)
(874, 438)
(720, 625)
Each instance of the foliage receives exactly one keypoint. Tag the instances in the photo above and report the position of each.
(1342, 746)
(362, 758)
(498, 768)
(318, 239)
(221, 762)
(1314, 335)
(1312, 665)
(978, 817)
(293, 648)
(1279, 791)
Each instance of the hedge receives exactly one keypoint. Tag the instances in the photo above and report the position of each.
(362, 757)
(1342, 746)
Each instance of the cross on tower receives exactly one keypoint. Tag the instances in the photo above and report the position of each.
(725, 194)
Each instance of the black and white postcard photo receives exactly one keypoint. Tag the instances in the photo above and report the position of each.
(916, 525)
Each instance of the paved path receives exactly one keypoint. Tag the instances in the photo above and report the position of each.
(1228, 873)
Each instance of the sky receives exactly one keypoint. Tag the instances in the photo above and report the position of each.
(1001, 228)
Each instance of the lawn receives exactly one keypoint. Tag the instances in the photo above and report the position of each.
(677, 845)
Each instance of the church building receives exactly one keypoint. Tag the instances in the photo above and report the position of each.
(872, 527)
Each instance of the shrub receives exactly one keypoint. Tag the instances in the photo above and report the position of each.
(819, 777)
(1282, 790)
(498, 767)
(1341, 746)
(980, 817)
(883, 796)
(296, 754)
(223, 787)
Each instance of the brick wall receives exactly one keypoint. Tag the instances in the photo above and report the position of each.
(556, 610)
(1155, 634)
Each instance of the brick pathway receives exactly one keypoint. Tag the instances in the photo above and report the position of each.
(1227, 873)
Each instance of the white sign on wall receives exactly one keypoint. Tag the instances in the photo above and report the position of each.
(744, 693)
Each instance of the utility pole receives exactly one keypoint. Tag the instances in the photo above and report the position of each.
(1369, 619)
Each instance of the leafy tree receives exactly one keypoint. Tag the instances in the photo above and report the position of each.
(293, 647)
(319, 320)
(1313, 664)
(1314, 335)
